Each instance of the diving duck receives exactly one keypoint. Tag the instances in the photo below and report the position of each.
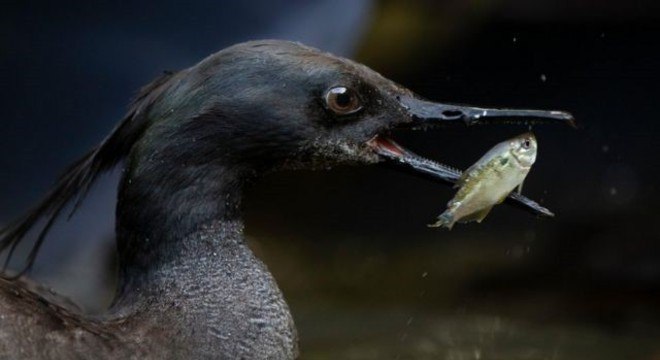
(189, 286)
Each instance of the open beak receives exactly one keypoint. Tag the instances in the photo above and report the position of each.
(424, 114)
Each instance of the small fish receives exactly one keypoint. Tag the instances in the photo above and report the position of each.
(490, 180)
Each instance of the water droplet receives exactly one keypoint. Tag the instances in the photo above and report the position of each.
(621, 184)
(543, 78)
(515, 39)
(425, 274)
(477, 354)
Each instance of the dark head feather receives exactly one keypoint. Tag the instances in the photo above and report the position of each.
(76, 181)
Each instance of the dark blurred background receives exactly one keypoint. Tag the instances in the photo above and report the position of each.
(365, 277)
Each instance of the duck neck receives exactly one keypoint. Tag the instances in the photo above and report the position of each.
(159, 207)
(184, 264)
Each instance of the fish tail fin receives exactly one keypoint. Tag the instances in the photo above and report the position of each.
(446, 219)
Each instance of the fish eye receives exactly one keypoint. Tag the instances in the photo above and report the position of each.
(342, 100)
(526, 144)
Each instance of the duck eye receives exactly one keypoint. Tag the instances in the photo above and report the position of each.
(342, 100)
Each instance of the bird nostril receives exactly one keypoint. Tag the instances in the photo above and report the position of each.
(452, 113)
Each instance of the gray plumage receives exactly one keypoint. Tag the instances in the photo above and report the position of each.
(216, 300)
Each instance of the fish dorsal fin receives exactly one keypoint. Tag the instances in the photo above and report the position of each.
(485, 159)
(467, 174)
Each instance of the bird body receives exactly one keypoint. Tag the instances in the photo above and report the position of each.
(233, 311)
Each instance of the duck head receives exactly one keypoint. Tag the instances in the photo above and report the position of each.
(274, 104)
(250, 109)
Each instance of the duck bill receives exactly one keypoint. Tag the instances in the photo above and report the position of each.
(390, 150)
(427, 113)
